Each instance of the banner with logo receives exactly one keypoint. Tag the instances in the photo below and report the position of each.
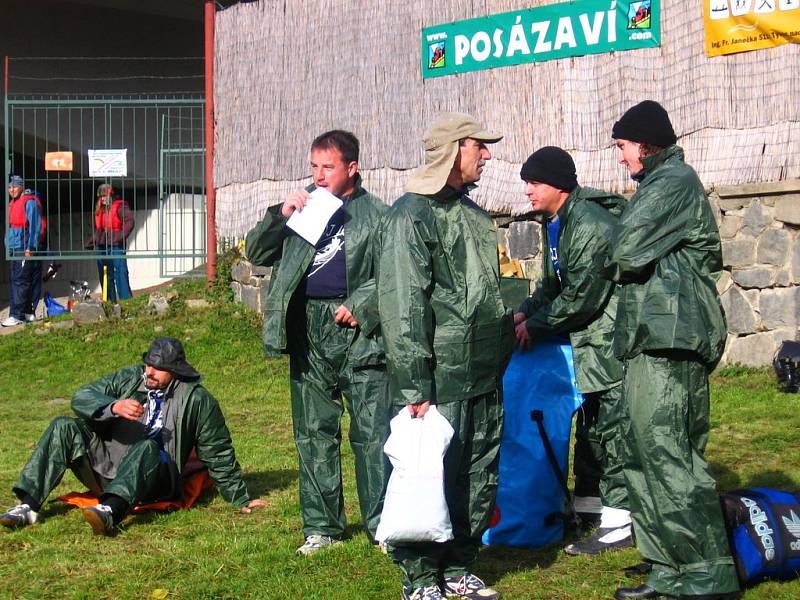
(539, 34)
(741, 25)
(108, 163)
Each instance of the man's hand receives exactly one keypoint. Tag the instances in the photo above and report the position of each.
(343, 316)
(295, 201)
(254, 503)
(127, 408)
(418, 410)
(523, 337)
(519, 318)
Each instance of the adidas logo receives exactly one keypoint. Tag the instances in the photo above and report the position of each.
(792, 523)
(758, 519)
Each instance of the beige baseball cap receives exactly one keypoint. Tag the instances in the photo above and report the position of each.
(441, 147)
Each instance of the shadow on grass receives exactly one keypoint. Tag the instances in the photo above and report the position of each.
(494, 562)
(730, 480)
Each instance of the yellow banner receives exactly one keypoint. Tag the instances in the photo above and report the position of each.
(742, 25)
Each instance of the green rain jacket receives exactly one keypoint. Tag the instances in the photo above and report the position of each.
(583, 303)
(666, 253)
(271, 243)
(200, 425)
(448, 335)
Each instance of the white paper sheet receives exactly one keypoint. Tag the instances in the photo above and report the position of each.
(310, 222)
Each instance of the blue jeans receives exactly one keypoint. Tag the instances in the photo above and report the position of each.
(26, 287)
(118, 284)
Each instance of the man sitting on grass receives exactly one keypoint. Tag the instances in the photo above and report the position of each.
(133, 436)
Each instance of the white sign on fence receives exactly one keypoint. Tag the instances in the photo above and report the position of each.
(108, 163)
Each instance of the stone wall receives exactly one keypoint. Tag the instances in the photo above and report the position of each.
(760, 285)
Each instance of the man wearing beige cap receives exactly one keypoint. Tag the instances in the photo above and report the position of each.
(448, 337)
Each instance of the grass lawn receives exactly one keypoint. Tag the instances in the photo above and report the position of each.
(212, 551)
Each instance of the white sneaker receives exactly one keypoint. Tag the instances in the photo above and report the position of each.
(468, 586)
(19, 516)
(100, 518)
(315, 543)
(29, 317)
(11, 322)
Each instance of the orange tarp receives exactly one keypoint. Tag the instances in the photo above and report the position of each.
(193, 486)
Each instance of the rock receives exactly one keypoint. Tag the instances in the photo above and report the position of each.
(758, 349)
(502, 237)
(531, 269)
(251, 298)
(241, 271)
(256, 282)
(265, 272)
(795, 261)
(41, 331)
(158, 304)
(523, 239)
(725, 281)
(739, 252)
(88, 339)
(729, 227)
(739, 312)
(773, 247)
(236, 287)
(779, 307)
(713, 200)
(197, 304)
(728, 204)
(787, 208)
(756, 219)
(783, 278)
(65, 324)
(755, 277)
(88, 311)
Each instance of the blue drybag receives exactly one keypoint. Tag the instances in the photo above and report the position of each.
(529, 493)
(764, 529)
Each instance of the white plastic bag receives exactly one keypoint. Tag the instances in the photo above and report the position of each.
(415, 509)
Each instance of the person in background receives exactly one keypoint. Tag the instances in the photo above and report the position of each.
(113, 223)
(25, 236)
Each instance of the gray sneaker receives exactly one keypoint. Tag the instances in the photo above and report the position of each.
(19, 516)
(469, 586)
(430, 592)
(315, 543)
(100, 518)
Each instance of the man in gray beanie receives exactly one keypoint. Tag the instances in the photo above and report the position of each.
(573, 300)
(130, 442)
(665, 256)
(448, 338)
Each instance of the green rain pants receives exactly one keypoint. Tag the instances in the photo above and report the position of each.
(321, 373)
(675, 508)
(597, 462)
(470, 474)
(65, 445)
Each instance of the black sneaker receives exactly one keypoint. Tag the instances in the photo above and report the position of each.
(603, 540)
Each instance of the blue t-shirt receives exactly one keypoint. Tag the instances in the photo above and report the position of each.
(553, 229)
(326, 277)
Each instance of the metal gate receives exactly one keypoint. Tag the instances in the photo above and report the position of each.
(161, 143)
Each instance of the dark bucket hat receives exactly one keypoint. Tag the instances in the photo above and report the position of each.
(167, 354)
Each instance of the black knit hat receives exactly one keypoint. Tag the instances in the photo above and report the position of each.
(550, 165)
(645, 123)
(166, 354)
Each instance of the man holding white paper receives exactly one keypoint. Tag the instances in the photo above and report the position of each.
(322, 309)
